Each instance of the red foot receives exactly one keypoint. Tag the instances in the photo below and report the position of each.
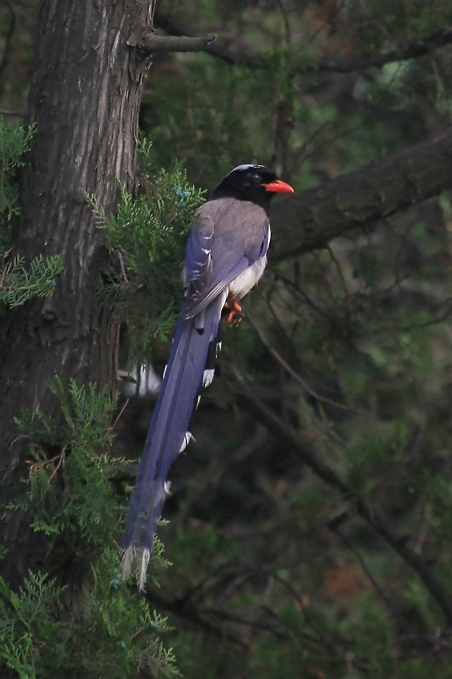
(235, 309)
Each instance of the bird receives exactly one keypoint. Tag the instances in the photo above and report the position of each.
(225, 256)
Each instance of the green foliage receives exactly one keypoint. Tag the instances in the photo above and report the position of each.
(14, 141)
(18, 283)
(25, 621)
(73, 498)
(113, 634)
(70, 490)
(147, 235)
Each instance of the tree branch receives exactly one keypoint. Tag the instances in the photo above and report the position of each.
(309, 220)
(150, 43)
(14, 114)
(308, 455)
(191, 614)
(9, 37)
(169, 25)
(412, 50)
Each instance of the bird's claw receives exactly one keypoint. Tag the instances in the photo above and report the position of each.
(234, 316)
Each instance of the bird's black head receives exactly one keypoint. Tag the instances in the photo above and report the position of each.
(255, 183)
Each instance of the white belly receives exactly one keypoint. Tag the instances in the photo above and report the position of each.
(241, 285)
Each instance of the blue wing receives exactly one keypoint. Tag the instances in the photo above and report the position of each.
(209, 271)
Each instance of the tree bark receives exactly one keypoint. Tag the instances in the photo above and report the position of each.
(86, 89)
(308, 220)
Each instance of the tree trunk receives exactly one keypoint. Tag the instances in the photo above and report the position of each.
(86, 89)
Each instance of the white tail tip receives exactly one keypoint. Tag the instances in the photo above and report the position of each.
(135, 562)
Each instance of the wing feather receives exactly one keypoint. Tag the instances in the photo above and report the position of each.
(239, 236)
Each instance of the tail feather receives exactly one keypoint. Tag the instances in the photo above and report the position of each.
(191, 357)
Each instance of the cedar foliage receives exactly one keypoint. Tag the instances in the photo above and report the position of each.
(75, 493)
(19, 283)
(147, 234)
(73, 498)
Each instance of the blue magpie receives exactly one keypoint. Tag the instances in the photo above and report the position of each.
(225, 256)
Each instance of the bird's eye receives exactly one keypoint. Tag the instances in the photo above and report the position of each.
(256, 178)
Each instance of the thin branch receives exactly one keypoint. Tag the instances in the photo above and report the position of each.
(290, 370)
(122, 265)
(126, 403)
(13, 114)
(386, 600)
(340, 274)
(169, 25)
(306, 452)
(299, 292)
(151, 43)
(9, 37)
(302, 152)
(412, 50)
(283, 11)
(320, 639)
(190, 613)
(239, 620)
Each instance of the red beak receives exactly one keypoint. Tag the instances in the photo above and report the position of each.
(278, 187)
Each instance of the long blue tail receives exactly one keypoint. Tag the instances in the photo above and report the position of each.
(190, 365)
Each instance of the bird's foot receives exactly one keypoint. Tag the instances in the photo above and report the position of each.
(235, 310)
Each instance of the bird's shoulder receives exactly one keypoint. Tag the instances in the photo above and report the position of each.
(234, 225)
(224, 214)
